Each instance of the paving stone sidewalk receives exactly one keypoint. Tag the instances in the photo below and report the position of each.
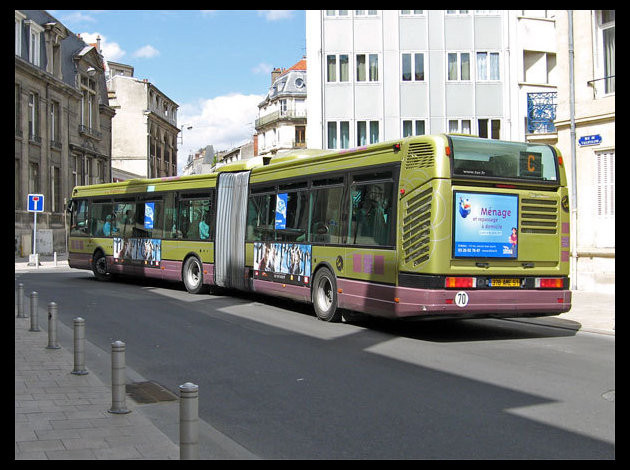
(59, 415)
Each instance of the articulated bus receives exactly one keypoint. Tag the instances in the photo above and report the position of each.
(442, 226)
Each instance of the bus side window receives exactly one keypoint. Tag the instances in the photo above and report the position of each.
(261, 217)
(326, 215)
(370, 214)
(297, 218)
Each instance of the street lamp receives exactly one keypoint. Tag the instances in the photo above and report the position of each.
(181, 135)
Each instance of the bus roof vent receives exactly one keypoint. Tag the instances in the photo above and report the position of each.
(420, 155)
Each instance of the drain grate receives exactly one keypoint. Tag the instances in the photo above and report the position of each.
(149, 392)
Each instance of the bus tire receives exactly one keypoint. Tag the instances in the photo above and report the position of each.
(99, 266)
(192, 274)
(324, 296)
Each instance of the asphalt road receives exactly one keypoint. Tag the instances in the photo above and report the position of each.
(285, 385)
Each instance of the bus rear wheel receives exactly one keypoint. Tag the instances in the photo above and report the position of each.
(324, 296)
(193, 275)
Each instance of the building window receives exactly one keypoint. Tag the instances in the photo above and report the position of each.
(606, 31)
(331, 67)
(363, 12)
(605, 162)
(342, 130)
(412, 12)
(489, 127)
(488, 66)
(33, 178)
(33, 117)
(459, 126)
(300, 136)
(18, 110)
(19, 17)
(413, 127)
(55, 189)
(363, 138)
(34, 42)
(54, 123)
(367, 71)
(458, 66)
(18, 185)
(88, 103)
(413, 66)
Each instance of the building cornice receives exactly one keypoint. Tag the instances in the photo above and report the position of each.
(27, 67)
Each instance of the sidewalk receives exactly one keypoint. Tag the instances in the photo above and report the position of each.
(59, 415)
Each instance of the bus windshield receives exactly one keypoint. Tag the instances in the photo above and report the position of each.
(484, 158)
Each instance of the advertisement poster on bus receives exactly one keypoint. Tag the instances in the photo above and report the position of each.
(485, 225)
(281, 211)
(138, 251)
(282, 262)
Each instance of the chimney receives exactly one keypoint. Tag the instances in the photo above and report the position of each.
(98, 44)
(255, 145)
(275, 73)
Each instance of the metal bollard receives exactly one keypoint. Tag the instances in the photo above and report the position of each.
(52, 326)
(34, 315)
(79, 347)
(189, 421)
(20, 301)
(118, 379)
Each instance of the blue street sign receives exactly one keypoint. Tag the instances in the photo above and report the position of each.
(590, 140)
(36, 203)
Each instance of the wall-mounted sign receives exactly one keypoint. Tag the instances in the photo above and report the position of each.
(590, 140)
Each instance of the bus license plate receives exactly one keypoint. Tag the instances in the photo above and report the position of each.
(502, 282)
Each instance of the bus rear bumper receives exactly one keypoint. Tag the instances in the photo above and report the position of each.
(403, 302)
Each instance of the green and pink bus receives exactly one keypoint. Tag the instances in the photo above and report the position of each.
(436, 226)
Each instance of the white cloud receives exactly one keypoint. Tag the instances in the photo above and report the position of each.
(146, 52)
(274, 15)
(110, 50)
(262, 68)
(224, 122)
(77, 17)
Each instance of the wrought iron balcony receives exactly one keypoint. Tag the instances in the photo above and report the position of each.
(541, 112)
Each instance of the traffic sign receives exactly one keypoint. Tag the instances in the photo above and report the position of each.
(36, 203)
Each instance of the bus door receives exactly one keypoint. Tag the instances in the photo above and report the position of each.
(229, 246)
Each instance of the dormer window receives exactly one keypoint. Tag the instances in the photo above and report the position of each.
(34, 42)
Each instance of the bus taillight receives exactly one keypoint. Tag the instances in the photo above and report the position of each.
(461, 282)
(549, 283)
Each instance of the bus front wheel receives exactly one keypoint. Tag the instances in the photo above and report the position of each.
(99, 266)
(193, 275)
(324, 296)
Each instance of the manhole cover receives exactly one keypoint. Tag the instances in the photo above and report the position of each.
(149, 392)
(610, 395)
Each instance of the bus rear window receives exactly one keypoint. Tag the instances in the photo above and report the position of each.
(497, 159)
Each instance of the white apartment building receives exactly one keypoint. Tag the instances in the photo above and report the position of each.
(281, 123)
(377, 75)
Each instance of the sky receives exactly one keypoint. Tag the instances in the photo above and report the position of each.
(215, 64)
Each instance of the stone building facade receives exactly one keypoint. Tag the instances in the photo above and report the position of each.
(62, 124)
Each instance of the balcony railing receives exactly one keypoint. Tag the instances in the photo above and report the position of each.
(541, 112)
(89, 131)
(288, 115)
